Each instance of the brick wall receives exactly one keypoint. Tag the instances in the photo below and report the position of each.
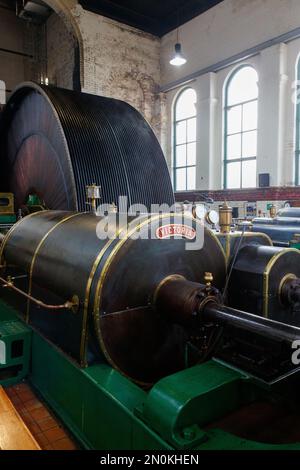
(61, 46)
(124, 63)
(251, 195)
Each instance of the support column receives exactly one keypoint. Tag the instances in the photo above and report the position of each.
(205, 87)
(273, 96)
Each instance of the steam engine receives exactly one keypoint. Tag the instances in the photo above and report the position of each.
(137, 302)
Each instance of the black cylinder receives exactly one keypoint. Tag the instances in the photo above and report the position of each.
(114, 280)
(256, 281)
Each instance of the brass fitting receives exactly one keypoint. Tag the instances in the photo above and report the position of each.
(93, 193)
(10, 282)
(225, 217)
(7, 207)
(208, 279)
(73, 304)
(273, 211)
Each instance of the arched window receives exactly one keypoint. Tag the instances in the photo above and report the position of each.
(297, 124)
(240, 112)
(185, 141)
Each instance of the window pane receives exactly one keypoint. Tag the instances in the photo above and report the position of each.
(250, 144)
(181, 133)
(191, 130)
(234, 120)
(186, 105)
(191, 154)
(250, 116)
(191, 178)
(181, 179)
(242, 86)
(234, 149)
(233, 175)
(180, 155)
(249, 174)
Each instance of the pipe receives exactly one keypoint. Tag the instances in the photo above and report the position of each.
(10, 51)
(69, 305)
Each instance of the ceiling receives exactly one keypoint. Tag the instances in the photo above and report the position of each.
(153, 16)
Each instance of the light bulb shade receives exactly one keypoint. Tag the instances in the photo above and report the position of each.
(178, 59)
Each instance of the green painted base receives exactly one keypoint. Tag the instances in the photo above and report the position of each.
(105, 411)
(15, 347)
(295, 245)
(7, 219)
(97, 404)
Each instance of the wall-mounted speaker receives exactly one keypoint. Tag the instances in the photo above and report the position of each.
(264, 180)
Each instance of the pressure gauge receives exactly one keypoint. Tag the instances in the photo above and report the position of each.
(212, 217)
(199, 211)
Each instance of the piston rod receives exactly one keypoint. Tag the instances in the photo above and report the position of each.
(261, 326)
(192, 304)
